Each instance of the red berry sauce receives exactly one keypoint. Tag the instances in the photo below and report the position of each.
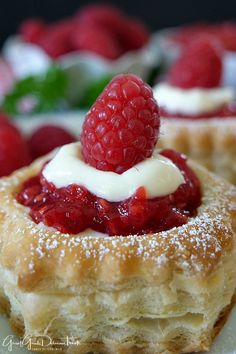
(227, 111)
(73, 209)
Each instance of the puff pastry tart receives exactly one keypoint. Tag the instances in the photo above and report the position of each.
(198, 115)
(108, 254)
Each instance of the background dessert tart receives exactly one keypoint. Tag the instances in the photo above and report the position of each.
(153, 293)
(173, 40)
(211, 142)
(198, 115)
(94, 44)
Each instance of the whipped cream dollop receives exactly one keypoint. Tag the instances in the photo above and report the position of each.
(193, 101)
(157, 174)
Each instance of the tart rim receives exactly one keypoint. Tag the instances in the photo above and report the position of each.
(66, 260)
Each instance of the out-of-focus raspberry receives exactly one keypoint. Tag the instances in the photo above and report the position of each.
(32, 29)
(48, 137)
(56, 39)
(104, 16)
(200, 65)
(135, 35)
(97, 40)
(14, 152)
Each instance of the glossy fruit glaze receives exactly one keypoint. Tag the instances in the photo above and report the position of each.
(73, 209)
(227, 111)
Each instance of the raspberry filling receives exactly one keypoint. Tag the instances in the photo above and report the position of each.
(227, 111)
(74, 209)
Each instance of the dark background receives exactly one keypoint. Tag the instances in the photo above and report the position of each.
(156, 13)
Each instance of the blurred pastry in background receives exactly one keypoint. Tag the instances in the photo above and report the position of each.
(89, 48)
(198, 114)
(100, 29)
(173, 40)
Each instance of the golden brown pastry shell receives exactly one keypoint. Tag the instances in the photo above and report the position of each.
(211, 142)
(45, 263)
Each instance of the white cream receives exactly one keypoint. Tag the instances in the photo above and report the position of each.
(192, 101)
(25, 58)
(157, 174)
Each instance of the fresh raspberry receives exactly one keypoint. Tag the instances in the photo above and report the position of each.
(13, 149)
(104, 16)
(5, 121)
(186, 34)
(129, 33)
(56, 39)
(32, 29)
(47, 138)
(135, 35)
(122, 127)
(227, 35)
(200, 65)
(97, 40)
(3, 118)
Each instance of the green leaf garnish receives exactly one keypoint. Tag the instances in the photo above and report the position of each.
(42, 93)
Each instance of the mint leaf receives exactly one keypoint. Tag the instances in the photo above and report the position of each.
(42, 93)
